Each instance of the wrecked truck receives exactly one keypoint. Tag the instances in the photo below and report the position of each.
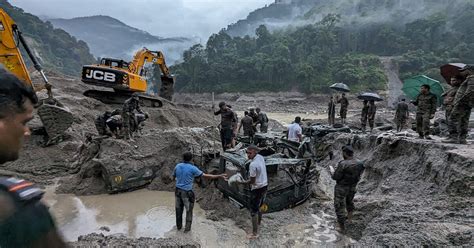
(289, 180)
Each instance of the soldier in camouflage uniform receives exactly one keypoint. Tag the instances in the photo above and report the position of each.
(344, 106)
(426, 109)
(331, 111)
(401, 115)
(448, 103)
(347, 174)
(371, 114)
(128, 114)
(25, 220)
(461, 111)
(100, 123)
(364, 115)
(262, 120)
(254, 118)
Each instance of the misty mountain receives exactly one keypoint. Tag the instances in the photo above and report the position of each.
(54, 48)
(354, 13)
(109, 37)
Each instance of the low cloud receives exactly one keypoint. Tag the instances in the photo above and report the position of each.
(166, 18)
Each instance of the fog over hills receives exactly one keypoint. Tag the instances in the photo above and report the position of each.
(109, 37)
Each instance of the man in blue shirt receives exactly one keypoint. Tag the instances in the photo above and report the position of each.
(184, 173)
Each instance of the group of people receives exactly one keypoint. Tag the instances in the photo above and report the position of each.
(186, 172)
(122, 123)
(458, 102)
(20, 201)
(230, 126)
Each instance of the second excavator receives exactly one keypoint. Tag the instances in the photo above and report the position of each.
(126, 78)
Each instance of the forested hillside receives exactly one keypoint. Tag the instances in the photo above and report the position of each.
(340, 47)
(55, 48)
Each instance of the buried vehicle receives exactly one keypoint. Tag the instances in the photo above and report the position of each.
(289, 180)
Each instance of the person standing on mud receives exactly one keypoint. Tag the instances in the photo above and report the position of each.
(247, 123)
(449, 95)
(254, 118)
(347, 174)
(364, 115)
(331, 111)
(295, 132)
(401, 115)
(462, 107)
(258, 184)
(262, 120)
(228, 126)
(24, 220)
(344, 106)
(128, 114)
(371, 114)
(184, 173)
(426, 109)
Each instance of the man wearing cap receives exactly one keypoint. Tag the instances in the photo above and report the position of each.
(426, 109)
(262, 120)
(254, 118)
(462, 106)
(128, 114)
(228, 126)
(258, 184)
(401, 115)
(344, 106)
(347, 174)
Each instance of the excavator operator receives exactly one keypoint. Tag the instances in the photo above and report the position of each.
(24, 220)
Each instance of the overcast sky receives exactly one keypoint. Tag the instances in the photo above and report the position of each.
(159, 17)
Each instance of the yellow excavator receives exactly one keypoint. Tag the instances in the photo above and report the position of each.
(126, 78)
(55, 117)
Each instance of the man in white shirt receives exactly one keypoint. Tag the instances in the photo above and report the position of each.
(295, 131)
(258, 184)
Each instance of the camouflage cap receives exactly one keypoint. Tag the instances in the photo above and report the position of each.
(468, 67)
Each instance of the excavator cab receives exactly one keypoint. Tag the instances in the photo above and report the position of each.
(126, 78)
(55, 117)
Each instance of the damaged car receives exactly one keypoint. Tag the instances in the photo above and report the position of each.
(290, 180)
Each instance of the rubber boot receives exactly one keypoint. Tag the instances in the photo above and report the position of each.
(341, 227)
(187, 228)
(349, 216)
(255, 225)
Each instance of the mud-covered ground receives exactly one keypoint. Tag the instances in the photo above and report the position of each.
(413, 192)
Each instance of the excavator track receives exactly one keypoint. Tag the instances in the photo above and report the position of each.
(119, 97)
(56, 120)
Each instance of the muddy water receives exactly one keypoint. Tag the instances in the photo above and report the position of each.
(140, 213)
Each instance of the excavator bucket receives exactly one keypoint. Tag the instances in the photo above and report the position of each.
(56, 120)
(167, 88)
